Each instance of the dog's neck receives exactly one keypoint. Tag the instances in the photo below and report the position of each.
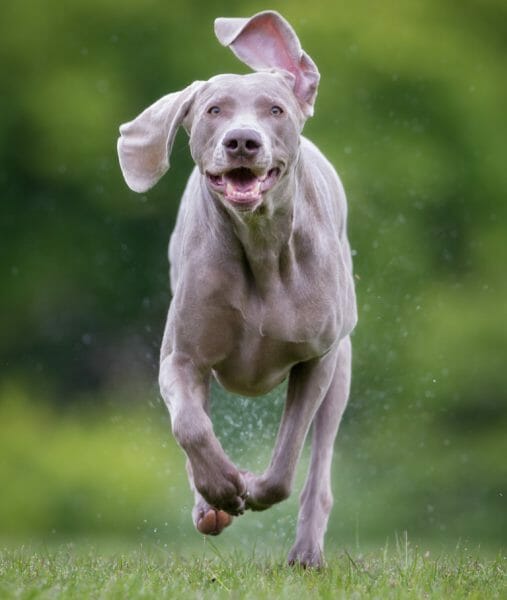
(265, 235)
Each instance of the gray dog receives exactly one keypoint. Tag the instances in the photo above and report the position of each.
(261, 273)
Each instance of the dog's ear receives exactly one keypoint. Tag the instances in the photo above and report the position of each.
(145, 143)
(267, 41)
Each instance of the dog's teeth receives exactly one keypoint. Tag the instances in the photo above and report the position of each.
(232, 192)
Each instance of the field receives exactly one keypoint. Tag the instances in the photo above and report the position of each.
(404, 572)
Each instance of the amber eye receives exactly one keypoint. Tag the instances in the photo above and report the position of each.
(276, 111)
(214, 110)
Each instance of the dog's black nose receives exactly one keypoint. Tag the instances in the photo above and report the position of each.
(242, 142)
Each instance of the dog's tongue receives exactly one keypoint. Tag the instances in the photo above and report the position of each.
(242, 184)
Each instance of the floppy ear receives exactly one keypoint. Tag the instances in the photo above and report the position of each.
(267, 41)
(145, 143)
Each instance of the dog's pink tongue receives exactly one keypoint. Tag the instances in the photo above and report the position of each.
(242, 185)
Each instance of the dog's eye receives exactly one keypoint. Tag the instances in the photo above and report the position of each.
(214, 110)
(276, 110)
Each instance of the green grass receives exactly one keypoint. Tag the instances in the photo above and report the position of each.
(70, 571)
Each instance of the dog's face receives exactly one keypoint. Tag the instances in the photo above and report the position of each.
(244, 129)
(244, 135)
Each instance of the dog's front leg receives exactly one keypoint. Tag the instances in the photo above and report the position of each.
(207, 519)
(308, 384)
(185, 391)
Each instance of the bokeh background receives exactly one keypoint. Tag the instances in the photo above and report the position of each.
(411, 111)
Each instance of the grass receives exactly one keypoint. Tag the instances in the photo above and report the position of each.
(70, 571)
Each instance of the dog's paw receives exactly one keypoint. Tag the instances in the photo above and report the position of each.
(253, 499)
(262, 493)
(306, 557)
(209, 520)
(224, 489)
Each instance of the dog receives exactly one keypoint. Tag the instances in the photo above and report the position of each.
(260, 271)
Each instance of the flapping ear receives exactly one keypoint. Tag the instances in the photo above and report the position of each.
(145, 143)
(267, 41)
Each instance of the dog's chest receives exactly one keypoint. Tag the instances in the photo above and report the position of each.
(263, 351)
(272, 332)
(303, 305)
(302, 315)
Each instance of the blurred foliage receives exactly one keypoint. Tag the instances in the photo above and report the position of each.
(411, 110)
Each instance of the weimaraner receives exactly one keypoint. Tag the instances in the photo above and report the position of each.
(261, 273)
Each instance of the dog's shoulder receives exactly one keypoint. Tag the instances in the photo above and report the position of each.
(321, 180)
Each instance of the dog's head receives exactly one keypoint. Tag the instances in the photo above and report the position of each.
(244, 129)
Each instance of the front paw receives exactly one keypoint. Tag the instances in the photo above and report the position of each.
(224, 488)
(263, 491)
(253, 495)
(209, 520)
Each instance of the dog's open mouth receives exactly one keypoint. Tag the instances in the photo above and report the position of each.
(243, 186)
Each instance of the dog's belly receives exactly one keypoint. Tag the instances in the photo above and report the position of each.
(259, 363)
(237, 383)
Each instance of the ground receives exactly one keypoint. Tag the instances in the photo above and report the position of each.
(73, 571)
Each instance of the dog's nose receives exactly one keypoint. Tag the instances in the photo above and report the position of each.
(242, 142)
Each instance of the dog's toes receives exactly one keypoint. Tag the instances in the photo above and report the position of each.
(213, 522)
(223, 520)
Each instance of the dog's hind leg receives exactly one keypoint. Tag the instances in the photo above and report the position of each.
(316, 498)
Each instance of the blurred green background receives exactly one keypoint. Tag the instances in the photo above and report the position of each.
(411, 111)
